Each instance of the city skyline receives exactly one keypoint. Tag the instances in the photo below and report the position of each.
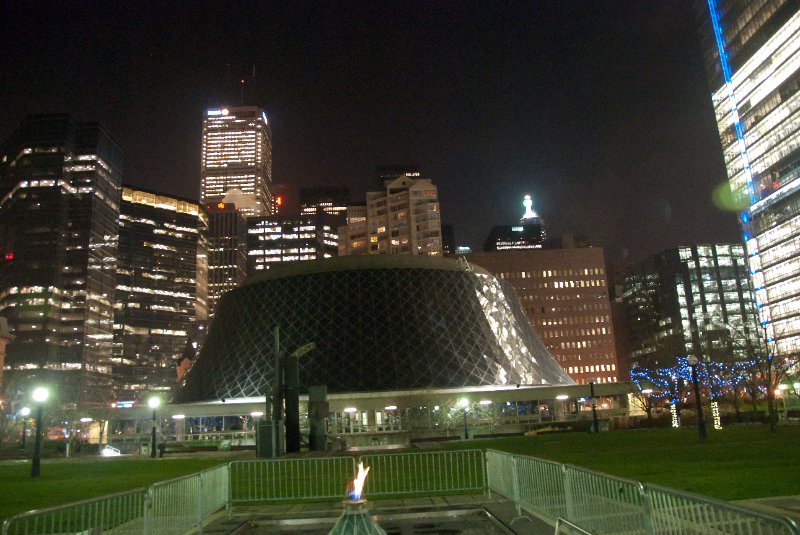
(600, 112)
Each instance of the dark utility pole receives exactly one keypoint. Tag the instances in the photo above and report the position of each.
(37, 444)
(595, 423)
(701, 421)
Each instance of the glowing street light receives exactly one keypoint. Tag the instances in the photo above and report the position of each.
(39, 395)
(153, 403)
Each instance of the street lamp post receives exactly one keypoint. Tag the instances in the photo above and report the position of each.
(25, 412)
(595, 422)
(40, 395)
(701, 422)
(464, 404)
(153, 403)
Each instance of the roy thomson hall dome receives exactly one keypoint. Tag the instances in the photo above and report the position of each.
(379, 322)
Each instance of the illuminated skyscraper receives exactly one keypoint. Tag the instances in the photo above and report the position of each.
(162, 280)
(402, 219)
(60, 194)
(752, 52)
(698, 294)
(563, 293)
(237, 159)
(227, 250)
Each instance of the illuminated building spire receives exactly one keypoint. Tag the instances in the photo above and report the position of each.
(528, 204)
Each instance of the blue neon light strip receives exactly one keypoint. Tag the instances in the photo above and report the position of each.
(737, 126)
(728, 77)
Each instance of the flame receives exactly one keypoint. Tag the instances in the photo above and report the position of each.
(358, 482)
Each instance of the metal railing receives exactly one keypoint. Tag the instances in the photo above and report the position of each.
(596, 502)
(675, 511)
(289, 479)
(174, 505)
(427, 474)
(606, 504)
(121, 513)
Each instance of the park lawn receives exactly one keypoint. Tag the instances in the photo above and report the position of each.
(70, 481)
(735, 463)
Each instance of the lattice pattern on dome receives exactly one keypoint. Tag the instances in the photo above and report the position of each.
(374, 329)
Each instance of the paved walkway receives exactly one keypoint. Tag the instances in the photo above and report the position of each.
(473, 514)
(788, 506)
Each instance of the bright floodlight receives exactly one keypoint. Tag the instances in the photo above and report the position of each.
(40, 394)
(24, 411)
(85, 420)
(463, 402)
(153, 402)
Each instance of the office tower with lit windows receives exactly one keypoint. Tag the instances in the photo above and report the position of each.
(162, 284)
(696, 299)
(564, 294)
(276, 239)
(752, 57)
(60, 193)
(227, 250)
(236, 162)
(529, 233)
(331, 200)
(402, 219)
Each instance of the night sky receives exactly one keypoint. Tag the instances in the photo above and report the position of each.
(599, 110)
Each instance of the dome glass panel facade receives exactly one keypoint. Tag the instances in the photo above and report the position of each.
(379, 323)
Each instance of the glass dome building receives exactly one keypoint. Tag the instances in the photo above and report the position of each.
(378, 322)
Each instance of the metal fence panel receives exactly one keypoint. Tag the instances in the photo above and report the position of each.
(675, 511)
(499, 465)
(173, 506)
(604, 503)
(425, 473)
(290, 479)
(541, 486)
(214, 483)
(121, 513)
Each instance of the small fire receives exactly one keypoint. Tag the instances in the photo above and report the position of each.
(358, 483)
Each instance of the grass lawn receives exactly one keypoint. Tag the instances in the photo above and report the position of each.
(75, 480)
(735, 463)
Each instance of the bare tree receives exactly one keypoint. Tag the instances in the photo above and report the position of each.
(767, 367)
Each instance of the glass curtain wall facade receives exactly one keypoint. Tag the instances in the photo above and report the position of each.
(60, 190)
(379, 322)
(752, 52)
(161, 288)
(699, 295)
(237, 159)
